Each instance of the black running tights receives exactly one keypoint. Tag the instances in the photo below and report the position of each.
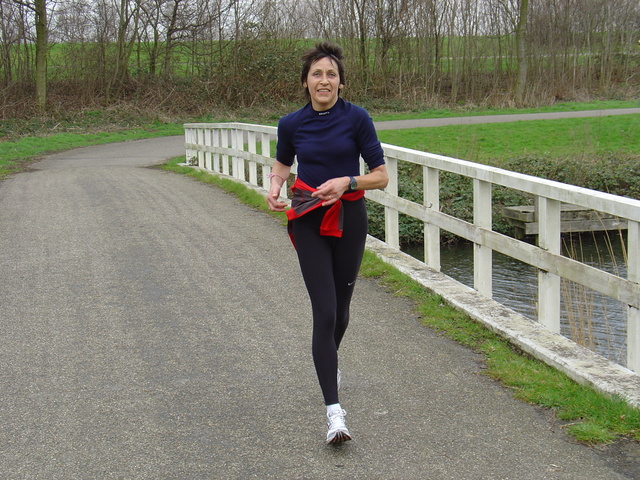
(330, 267)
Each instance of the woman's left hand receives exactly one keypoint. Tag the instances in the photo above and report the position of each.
(331, 190)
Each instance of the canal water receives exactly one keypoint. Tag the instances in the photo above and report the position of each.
(588, 317)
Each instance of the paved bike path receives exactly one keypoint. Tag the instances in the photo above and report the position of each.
(155, 328)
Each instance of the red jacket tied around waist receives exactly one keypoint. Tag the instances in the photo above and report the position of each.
(303, 203)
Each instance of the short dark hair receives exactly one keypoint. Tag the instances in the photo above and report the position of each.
(320, 51)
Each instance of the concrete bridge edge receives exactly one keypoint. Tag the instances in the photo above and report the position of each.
(578, 362)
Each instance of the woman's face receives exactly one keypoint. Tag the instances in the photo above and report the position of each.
(323, 82)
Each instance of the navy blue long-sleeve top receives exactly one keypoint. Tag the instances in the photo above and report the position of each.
(328, 144)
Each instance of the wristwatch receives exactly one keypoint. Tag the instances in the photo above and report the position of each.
(352, 183)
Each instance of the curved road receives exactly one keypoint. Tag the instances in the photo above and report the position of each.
(154, 328)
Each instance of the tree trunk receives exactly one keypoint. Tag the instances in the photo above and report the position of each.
(521, 45)
(124, 48)
(41, 53)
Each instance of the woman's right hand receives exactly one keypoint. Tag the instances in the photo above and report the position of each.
(275, 205)
(278, 177)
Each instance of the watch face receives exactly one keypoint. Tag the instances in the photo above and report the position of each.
(353, 184)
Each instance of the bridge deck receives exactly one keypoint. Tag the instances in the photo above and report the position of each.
(153, 327)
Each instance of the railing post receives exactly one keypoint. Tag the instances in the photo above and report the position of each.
(215, 140)
(237, 143)
(234, 158)
(200, 132)
(224, 143)
(482, 256)
(391, 223)
(266, 169)
(431, 199)
(208, 164)
(265, 148)
(633, 314)
(188, 138)
(253, 166)
(549, 284)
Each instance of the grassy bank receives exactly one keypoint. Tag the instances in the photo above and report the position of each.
(496, 143)
(600, 153)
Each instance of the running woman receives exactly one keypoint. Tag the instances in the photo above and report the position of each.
(327, 219)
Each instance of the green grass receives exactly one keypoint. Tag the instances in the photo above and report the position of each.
(492, 142)
(600, 153)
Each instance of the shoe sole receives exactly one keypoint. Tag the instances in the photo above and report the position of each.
(340, 437)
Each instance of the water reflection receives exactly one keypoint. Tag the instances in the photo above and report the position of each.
(588, 317)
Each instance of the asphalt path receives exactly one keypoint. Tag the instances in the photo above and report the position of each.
(155, 328)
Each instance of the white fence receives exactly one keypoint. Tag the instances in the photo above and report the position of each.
(232, 149)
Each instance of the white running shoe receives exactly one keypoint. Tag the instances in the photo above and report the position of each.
(337, 429)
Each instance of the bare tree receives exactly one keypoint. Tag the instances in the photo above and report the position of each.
(9, 38)
(521, 45)
(42, 52)
(241, 52)
(151, 31)
(128, 16)
(39, 10)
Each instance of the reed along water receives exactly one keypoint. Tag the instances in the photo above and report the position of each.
(588, 317)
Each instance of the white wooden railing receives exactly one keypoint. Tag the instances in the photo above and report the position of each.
(232, 149)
